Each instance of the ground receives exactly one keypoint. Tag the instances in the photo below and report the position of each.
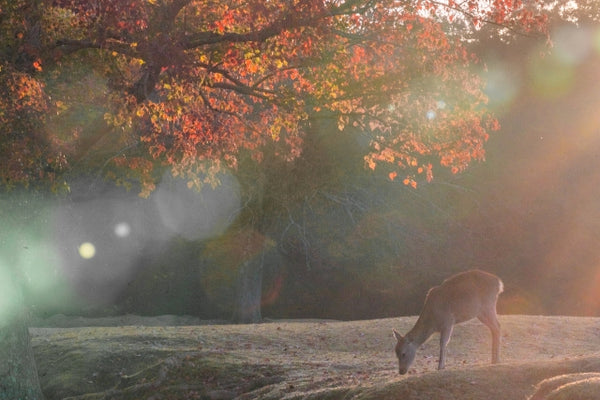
(181, 358)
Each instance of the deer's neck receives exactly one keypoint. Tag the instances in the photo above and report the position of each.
(422, 330)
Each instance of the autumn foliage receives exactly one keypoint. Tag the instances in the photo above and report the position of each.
(187, 84)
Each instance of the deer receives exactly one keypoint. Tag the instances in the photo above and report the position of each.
(460, 298)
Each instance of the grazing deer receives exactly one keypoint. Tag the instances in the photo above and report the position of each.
(464, 296)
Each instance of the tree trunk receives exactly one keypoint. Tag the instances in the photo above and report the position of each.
(18, 373)
(253, 245)
(247, 303)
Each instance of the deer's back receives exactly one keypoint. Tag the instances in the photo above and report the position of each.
(464, 296)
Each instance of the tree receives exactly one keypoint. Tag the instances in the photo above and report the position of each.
(186, 88)
(129, 88)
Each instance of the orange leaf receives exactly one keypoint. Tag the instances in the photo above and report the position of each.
(37, 64)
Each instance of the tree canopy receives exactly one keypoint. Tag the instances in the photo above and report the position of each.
(131, 87)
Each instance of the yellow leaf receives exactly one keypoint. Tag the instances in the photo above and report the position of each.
(342, 121)
(370, 163)
(61, 105)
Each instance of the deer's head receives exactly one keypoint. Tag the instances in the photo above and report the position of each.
(406, 349)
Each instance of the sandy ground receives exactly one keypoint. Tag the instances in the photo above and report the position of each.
(177, 358)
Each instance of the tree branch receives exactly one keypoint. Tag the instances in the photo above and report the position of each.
(474, 17)
(291, 20)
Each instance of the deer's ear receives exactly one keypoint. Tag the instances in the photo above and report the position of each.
(397, 335)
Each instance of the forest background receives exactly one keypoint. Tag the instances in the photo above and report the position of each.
(343, 241)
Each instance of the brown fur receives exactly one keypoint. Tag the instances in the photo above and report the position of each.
(464, 296)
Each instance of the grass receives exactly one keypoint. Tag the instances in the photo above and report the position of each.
(319, 360)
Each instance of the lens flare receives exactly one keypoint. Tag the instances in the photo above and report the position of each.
(550, 77)
(39, 265)
(273, 292)
(195, 214)
(596, 41)
(502, 84)
(8, 294)
(102, 240)
(87, 250)
(572, 45)
(591, 299)
(122, 229)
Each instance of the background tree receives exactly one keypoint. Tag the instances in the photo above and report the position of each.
(189, 86)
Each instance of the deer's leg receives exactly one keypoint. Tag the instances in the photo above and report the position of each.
(490, 319)
(445, 335)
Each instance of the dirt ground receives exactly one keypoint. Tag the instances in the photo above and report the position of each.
(171, 357)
